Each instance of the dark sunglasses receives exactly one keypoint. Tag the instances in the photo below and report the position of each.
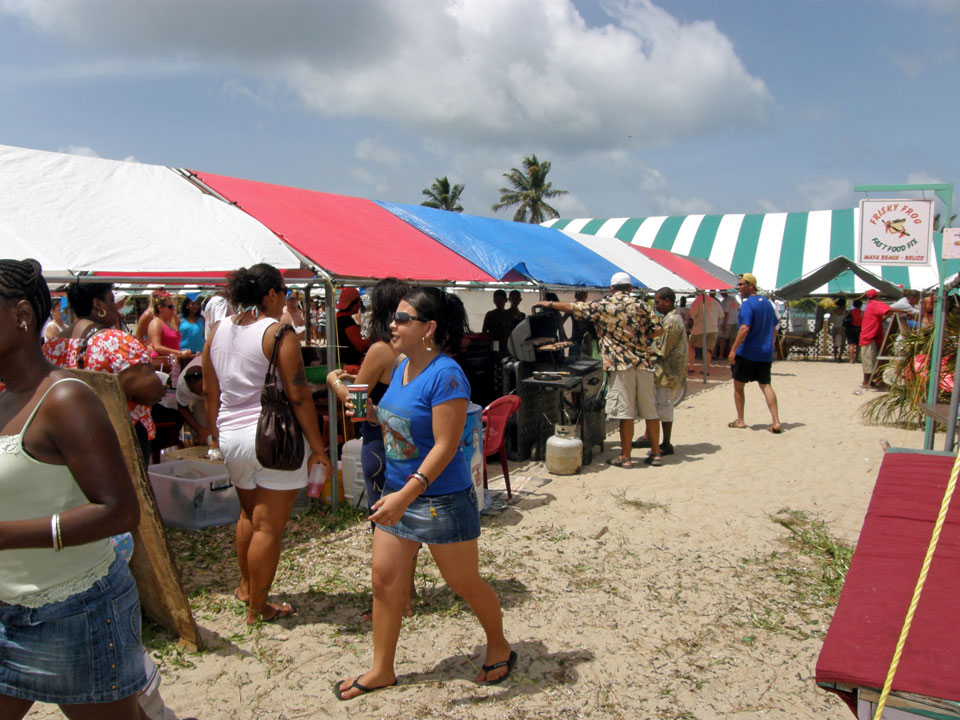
(402, 318)
(172, 307)
(191, 376)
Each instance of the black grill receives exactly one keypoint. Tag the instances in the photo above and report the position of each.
(556, 388)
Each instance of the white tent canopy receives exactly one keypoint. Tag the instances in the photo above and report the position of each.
(78, 214)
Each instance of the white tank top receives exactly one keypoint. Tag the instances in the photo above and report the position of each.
(238, 359)
(31, 489)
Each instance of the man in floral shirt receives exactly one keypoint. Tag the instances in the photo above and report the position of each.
(625, 327)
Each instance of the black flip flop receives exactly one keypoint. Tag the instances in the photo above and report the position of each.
(356, 685)
(508, 664)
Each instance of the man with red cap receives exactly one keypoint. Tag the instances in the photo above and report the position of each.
(871, 335)
(351, 344)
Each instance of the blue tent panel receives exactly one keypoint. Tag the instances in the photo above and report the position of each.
(542, 254)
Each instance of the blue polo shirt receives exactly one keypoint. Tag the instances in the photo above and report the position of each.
(757, 312)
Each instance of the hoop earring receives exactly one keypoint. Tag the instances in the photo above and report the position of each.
(424, 341)
(101, 313)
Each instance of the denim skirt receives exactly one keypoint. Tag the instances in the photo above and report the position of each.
(439, 519)
(85, 649)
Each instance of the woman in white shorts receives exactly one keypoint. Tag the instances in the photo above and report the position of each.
(235, 361)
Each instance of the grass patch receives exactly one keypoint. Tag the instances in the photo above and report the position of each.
(820, 583)
(642, 506)
(807, 576)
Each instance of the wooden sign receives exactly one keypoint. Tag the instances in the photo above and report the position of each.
(152, 565)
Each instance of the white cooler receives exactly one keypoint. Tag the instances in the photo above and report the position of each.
(193, 494)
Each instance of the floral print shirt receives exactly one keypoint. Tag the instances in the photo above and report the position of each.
(625, 325)
(109, 351)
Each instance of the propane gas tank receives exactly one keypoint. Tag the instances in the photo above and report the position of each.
(564, 450)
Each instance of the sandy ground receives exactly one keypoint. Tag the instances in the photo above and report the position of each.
(617, 609)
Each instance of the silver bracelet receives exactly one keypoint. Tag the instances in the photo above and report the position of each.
(55, 532)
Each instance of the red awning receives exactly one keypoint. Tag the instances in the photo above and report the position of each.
(879, 585)
(686, 268)
(346, 236)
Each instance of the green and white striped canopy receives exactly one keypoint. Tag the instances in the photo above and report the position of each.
(776, 247)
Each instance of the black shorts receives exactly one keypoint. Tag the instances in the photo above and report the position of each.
(747, 371)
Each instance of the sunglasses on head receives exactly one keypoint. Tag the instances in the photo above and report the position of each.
(402, 318)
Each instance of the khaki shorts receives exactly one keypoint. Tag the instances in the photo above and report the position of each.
(630, 395)
(868, 357)
(696, 341)
(666, 400)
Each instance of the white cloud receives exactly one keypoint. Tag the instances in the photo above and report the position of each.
(922, 177)
(372, 150)
(768, 206)
(670, 205)
(79, 150)
(488, 71)
(85, 151)
(378, 182)
(827, 193)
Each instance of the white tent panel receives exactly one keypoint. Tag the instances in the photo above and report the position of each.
(767, 262)
(816, 254)
(647, 232)
(686, 234)
(81, 214)
(725, 242)
(650, 273)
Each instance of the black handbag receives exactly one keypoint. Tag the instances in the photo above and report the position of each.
(279, 437)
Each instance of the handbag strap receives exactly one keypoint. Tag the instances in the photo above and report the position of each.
(272, 367)
(91, 330)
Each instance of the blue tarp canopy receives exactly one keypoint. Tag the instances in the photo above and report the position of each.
(500, 246)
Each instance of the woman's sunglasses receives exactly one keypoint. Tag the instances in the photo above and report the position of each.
(402, 318)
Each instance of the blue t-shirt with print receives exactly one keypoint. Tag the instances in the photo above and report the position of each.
(757, 312)
(406, 417)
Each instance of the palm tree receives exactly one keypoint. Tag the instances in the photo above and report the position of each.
(442, 196)
(530, 191)
(936, 222)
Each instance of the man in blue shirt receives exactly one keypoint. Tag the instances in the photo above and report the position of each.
(752, 353)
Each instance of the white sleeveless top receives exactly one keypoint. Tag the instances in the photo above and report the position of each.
(32, 489)
(238, 359)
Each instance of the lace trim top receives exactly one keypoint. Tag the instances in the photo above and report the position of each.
(32, 489)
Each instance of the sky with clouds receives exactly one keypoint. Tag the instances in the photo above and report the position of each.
(643, 108)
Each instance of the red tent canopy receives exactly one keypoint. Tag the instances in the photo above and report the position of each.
(346, 236)
(687, 269)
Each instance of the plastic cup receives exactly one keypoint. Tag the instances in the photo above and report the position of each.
(358, 396)
(316, 479)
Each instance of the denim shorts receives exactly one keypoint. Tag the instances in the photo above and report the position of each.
(439, 519)
(85, 649)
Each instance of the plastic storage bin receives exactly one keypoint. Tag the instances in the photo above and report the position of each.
(354, 489)
(193, 494)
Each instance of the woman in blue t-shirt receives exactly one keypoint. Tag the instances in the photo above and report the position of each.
(428, 495)
(191, 326)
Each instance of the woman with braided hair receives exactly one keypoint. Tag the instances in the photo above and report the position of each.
(69, 609)
(94, 342)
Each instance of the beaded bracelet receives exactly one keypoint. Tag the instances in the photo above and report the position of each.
(420, 478)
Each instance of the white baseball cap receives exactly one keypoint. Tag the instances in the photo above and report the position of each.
(620, 278)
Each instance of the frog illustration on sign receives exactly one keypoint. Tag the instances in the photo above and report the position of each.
(895, 227)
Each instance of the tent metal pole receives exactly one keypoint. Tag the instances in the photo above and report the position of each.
(948, 444)
(332, 399)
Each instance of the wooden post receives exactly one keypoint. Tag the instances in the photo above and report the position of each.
(152, 565)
